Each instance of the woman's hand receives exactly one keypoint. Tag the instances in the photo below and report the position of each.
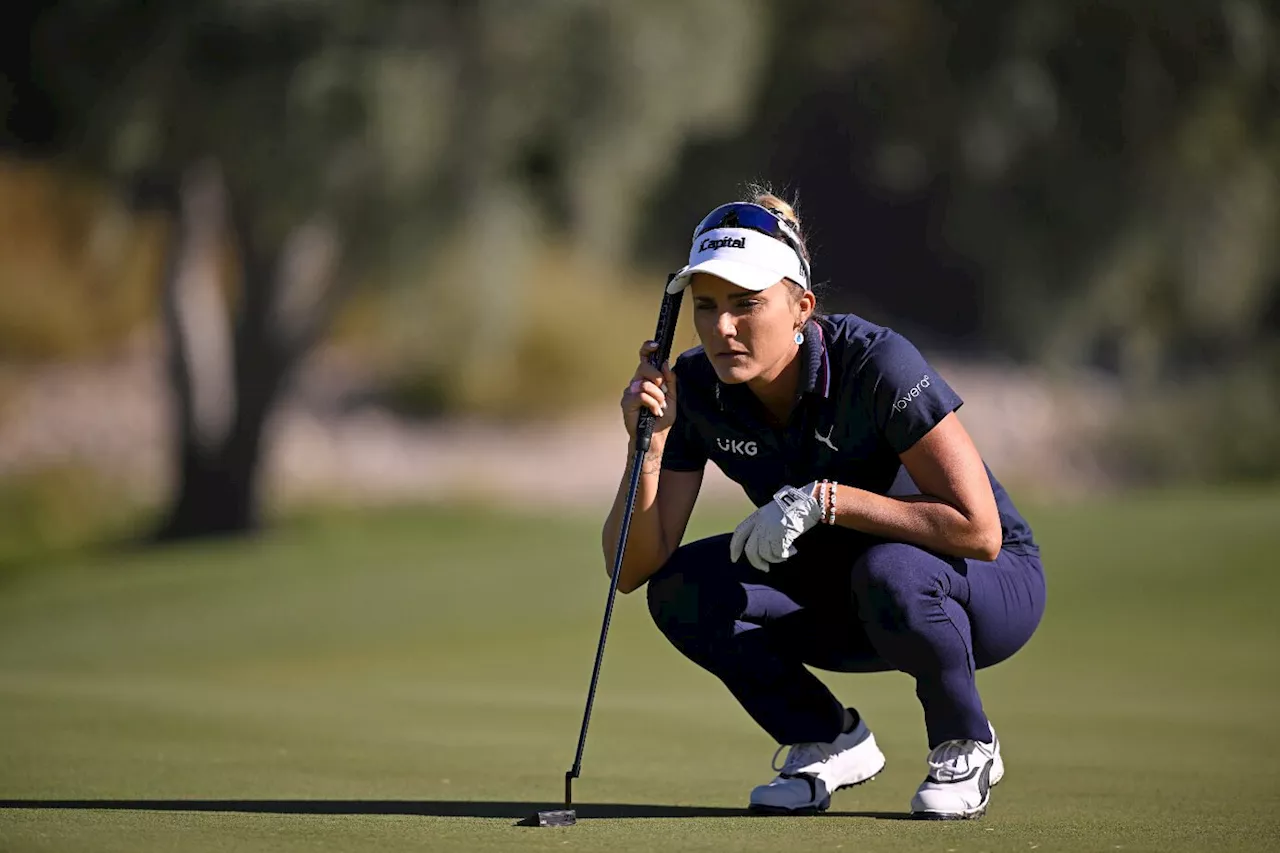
(768, 535)
(653, 389)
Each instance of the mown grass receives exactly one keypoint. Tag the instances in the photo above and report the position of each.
(414, 680)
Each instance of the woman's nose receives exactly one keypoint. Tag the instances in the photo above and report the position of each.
(724, 325)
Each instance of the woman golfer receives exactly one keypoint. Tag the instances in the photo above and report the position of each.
(881, 540)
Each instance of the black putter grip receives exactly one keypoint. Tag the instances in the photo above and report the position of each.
(665, 335)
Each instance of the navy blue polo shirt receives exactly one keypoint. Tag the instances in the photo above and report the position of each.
(867, 395)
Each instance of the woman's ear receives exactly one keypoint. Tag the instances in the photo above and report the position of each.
(807, 303)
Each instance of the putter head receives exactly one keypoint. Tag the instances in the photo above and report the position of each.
(557, 817)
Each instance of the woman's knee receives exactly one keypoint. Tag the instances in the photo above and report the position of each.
(1007, 606)
(895, 571)
(668, 594)
(678, 592)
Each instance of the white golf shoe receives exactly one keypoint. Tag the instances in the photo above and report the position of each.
(812, 772)
(961, 776)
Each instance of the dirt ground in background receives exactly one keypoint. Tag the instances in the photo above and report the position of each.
(1036, 435)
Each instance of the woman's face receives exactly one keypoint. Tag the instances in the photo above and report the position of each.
(745, 333)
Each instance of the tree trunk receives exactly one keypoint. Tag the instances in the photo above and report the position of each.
(217, 497)
(226, 383)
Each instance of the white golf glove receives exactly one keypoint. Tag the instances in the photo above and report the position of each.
(767, 535)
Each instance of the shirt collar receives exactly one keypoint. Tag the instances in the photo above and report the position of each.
(816, 363)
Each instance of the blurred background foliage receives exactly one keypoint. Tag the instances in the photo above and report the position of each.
(1080, 186)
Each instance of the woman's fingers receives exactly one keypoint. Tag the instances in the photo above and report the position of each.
(653, 404)
(656, 391)
(649, 394)
(645, 370)
(641, 386)
(662, 376)
(653, 388)
(649, 391)
(646, 367)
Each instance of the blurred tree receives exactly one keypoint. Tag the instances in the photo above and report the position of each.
(1081, 184)
(300, 144)
(236, 118)
(1115, 169)
(1116, 172)
(1093, 182)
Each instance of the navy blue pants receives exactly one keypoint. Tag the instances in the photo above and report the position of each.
(847, 603)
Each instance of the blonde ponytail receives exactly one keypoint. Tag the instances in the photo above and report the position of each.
(762, 195)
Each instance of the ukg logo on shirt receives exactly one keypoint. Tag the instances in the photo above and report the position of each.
(905, 400)
(732, 445)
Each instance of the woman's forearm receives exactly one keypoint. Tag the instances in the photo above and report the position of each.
(646, 545)
(919, 519)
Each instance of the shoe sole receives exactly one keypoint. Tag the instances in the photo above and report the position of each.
(806, 811)
(972, 814)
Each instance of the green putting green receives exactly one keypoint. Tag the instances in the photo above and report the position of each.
(414, 680)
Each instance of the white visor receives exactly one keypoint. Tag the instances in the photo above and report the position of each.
(740, 256)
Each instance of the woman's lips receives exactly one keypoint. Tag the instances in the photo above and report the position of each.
(731, 355)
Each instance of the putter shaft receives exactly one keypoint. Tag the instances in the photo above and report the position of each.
(664, 336)
(636, 465)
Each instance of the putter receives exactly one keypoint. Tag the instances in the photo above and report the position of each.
(664, 335)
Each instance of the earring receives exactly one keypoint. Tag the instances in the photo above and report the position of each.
(799, 337)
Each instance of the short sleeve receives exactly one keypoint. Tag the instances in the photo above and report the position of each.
(684, 450)
(907, 396)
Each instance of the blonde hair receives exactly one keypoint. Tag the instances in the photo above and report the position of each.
(764, 196)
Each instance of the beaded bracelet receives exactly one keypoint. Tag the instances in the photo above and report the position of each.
(827, 499)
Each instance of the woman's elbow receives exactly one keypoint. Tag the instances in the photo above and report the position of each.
(628, 585)
(636, 570)
(627, 581)
(986, 542)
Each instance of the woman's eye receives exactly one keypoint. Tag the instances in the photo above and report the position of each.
(745, 305)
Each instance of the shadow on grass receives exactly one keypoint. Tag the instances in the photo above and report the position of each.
(431, 808)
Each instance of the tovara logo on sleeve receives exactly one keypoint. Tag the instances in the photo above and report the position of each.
(906, 399)
(738, 446)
